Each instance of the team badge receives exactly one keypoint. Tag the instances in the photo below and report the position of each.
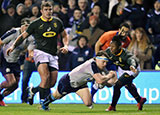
(55, 25)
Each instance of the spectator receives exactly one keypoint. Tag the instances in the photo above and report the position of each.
(116, 11)
(153, 24)
(103, 24)
(134, 13)
(35, 11)
(71, 7)
(80, 54)
(83, 6)
(8, 20)
(141, 47)
(93, 32)
(20, 14)
(75, 23)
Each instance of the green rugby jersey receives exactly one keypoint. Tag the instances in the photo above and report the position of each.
(124, 59)
(46, 33)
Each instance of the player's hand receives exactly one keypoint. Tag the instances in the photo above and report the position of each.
(9, 50)
(64, 49)
(133, 69)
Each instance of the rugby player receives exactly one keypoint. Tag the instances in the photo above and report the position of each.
(9, 65)
(128, 69)
(45, 31)
(76, 80)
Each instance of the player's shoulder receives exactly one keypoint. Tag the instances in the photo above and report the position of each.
(57, 19)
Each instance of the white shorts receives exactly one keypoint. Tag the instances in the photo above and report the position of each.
(43, 57)
(121, 71)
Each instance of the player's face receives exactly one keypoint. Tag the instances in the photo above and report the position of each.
(47, 12)
(124, 31)
(114, 48)
(24, 27)
(101, 63)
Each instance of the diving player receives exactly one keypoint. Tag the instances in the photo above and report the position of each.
(76, 80)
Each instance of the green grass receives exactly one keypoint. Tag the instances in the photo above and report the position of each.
(78, 109)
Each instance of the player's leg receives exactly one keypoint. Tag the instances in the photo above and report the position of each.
(133, 91)
(29, 67)
(63, 88)
(10, 80)
(43, 70)
(51, 97)
(85, 95)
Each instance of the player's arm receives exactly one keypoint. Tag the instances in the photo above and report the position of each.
(131, 60)
(100, 79)
(17, 42)
(98, 46)
(65, 42)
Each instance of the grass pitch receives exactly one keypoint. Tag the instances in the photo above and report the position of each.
(78, 109)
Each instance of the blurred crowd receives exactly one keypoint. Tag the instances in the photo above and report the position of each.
(86, 20)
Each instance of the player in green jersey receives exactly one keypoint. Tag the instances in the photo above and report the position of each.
(128, 69)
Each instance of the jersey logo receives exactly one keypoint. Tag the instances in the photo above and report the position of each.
(49, 29)
(55, 25)
(49, 34)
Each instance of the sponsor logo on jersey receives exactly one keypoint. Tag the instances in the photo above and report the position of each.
(49, 34)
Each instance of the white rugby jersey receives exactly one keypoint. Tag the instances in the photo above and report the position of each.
(83, 73)
(8, 40)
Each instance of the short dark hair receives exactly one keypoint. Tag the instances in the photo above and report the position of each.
(116, 39)
(125, 25)
(46, 4)
(25, 21)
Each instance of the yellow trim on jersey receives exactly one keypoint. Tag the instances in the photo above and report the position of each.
(46, 20)
(120, 52)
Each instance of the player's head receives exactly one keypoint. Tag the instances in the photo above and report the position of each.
(46, 10)
(101, 59)
(124, 30)
(24, 24)
(115, 45)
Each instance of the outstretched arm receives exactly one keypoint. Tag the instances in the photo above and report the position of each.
(17, 42)
(65, 42)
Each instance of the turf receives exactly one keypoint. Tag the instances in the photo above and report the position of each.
(78, 109)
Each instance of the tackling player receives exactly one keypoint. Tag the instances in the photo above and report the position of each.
(76, 80)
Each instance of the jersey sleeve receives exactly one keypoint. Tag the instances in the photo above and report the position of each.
(10, 35)
(61, 26)
(30, 29)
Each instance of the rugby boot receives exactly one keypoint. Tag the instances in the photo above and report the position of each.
(140, 104)
(43, 106)
(111, 108)
(30, 95)
(2, 103)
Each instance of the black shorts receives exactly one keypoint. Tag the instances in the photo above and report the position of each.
(64, 86)
(7, 68)
(126, 79)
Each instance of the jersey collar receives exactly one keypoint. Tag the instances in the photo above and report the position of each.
(119, 53)
(46, 20)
